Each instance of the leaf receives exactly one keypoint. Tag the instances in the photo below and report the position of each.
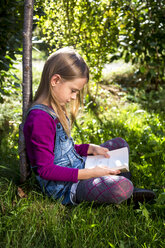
(21, 193)
(127, 58)
(111, 245)
(142, 69)
(161, 199)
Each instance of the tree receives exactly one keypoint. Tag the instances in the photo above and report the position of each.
(88, 26)
(104, 30)
(27, 81)
(11, 27)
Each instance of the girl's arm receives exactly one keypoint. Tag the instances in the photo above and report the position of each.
(97, 171)
(85, 149)
(39, 132)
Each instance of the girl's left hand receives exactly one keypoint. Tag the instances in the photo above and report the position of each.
(98, 150)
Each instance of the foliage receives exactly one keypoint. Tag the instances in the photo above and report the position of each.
(11, 27)
(10, 117)
(11, 84)
(133, 30)
(142, 37)
(88, 26)
(136, 122)
(101, 30)
(11, 20)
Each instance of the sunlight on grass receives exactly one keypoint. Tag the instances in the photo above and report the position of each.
(37, 221)
(117, 68)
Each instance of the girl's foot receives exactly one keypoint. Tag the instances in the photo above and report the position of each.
(143, 195)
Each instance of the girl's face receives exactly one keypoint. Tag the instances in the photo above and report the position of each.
(65, 91)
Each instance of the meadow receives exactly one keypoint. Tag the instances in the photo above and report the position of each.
(111, 109)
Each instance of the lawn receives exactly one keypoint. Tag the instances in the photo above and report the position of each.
(110, 110)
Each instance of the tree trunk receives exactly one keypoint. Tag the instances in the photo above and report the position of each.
(27, 83)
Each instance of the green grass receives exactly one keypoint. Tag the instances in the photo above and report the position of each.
(41, 222)
(37, 221)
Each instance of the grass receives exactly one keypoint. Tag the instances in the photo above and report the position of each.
(37, 221)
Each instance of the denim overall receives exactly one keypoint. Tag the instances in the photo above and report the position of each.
(64, 155)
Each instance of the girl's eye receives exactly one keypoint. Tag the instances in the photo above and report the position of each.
(74, 91)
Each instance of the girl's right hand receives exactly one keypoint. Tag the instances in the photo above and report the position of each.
(97, 171)
(104, 171)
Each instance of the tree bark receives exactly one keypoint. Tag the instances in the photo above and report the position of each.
(26, 84)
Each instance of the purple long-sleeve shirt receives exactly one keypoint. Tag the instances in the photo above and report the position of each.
(40, 134)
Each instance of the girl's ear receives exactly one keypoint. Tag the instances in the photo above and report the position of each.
(55, 79)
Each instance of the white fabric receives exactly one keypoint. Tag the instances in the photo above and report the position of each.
(73, 193)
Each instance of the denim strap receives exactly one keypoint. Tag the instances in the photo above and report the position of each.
(45, 108)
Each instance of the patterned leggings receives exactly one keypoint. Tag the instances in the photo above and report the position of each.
(106, 189)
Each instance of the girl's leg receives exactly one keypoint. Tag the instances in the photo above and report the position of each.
(106, 189)
(115, 143)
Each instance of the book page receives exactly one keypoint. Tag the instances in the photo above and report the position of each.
(119, 159)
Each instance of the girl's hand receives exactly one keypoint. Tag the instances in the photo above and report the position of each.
(97, 171)
(98, 150)
(104, 171)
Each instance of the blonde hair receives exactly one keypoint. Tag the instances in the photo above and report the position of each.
(67, 63)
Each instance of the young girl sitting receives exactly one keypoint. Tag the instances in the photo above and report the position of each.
(59, 164)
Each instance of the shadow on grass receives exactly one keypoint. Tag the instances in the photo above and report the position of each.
(9, 164)
(9, 159)
(140, 91)
(146, 156)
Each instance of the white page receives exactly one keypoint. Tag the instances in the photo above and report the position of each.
(118, 159)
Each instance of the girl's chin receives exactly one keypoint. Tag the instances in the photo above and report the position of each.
(64, 103)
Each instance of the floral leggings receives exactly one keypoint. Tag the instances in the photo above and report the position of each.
(106, 189)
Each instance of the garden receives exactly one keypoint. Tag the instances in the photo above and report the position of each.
(124, 98)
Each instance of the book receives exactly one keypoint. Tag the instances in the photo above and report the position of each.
(119, 160)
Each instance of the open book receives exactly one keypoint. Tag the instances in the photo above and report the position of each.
(119, 160)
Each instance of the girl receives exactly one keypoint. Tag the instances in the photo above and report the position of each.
(58, 163)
